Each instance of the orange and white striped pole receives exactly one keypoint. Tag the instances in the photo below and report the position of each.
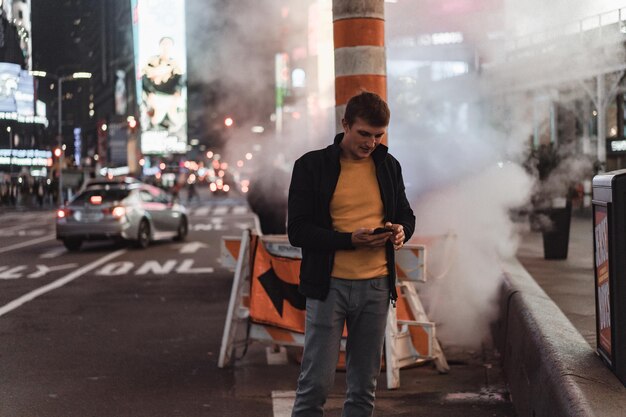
(359, 37)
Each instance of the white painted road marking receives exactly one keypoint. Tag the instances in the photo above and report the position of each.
(192, 247)
(244, 226)
(220, 210)
(208, 227)
(202, 211)
(43, 270)
(18, 271)
(125, 267)
(22, 232)
(156, 268)
(282, 403)
(186, 268)
(12, 273)
(53, 253)
(58, 283)
(27, 243)
(240, 210)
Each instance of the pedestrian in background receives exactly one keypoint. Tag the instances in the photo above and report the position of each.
(348, 211)
(191, 191)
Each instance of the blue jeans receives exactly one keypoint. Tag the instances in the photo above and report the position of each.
(363, 306)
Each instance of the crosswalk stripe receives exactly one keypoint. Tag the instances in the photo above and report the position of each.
(202, 211)
(220, 211)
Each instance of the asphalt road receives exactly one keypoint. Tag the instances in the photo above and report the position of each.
(116, 331)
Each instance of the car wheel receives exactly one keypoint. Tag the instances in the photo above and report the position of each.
(143, 235)
(72, 244)
(183, 229)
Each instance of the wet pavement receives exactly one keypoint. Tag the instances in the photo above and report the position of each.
(136, 334)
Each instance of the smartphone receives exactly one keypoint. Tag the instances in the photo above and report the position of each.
(380, 230)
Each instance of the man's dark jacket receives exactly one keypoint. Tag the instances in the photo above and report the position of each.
(310, 225)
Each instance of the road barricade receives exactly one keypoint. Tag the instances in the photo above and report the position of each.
(265, 305)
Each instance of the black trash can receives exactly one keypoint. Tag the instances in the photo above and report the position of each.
(556, 235)
(609, 246)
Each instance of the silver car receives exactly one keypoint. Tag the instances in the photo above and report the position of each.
(137, 212)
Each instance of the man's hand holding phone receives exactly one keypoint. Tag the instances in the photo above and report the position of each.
(372, 238)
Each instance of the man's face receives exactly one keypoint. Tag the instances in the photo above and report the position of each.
(360, 139)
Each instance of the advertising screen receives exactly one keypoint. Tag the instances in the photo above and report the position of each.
(161, 64)
(26, 157)
(16, 91)
(601, 237)
(18, 13)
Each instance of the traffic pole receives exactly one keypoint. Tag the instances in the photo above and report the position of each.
(360, 63)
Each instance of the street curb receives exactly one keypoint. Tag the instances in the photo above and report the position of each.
(550, 369)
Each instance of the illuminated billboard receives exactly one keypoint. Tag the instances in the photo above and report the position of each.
(18, 13)
(26, 157)
(161, 67)
(17, 95)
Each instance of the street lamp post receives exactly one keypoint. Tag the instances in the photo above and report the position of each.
(60, 137)
(10, 152)
(59, 80)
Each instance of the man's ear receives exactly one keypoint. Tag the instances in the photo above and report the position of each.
(345, 125)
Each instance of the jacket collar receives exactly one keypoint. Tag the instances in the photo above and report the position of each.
(378, 155)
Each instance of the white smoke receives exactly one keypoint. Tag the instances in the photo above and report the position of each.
(472, 230)
(463, 143)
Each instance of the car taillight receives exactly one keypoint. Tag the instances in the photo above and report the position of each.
(118, 212)
(63, 213)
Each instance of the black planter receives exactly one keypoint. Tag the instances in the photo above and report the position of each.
(556, 237)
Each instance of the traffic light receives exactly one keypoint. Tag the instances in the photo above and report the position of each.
(228, 122)
(57, 152)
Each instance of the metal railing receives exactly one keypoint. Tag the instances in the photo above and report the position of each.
(599, 26)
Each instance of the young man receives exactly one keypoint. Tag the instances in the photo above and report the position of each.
(348, 211)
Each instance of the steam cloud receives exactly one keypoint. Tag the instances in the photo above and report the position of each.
(463, 167)
(462, 144)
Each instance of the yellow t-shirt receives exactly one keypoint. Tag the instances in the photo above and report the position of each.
(357, 203)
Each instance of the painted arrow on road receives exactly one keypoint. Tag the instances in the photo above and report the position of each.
(192, 247)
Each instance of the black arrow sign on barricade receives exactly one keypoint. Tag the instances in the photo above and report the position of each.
(279, 290)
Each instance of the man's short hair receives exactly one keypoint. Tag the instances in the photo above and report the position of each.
(368, 106)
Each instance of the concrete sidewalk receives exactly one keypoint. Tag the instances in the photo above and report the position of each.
(569, 282)
(546, 332)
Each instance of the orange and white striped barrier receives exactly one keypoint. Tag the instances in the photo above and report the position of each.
(265, 305)
(411, 263)
(229, 251)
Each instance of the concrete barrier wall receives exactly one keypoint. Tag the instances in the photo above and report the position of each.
(550, 369)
